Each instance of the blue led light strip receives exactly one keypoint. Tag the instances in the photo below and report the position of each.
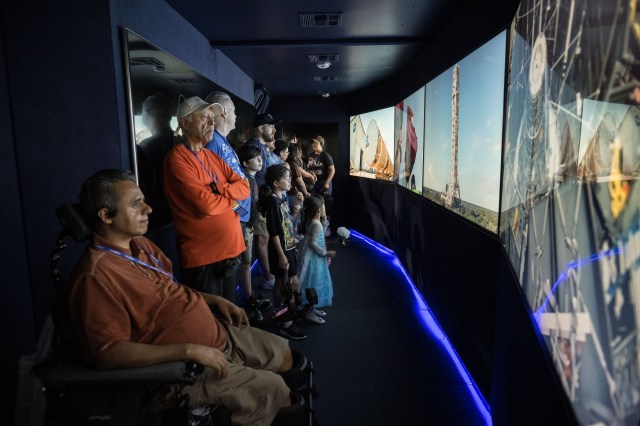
(431, 325)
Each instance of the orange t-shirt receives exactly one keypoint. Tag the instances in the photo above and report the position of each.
(112, 299)
(207, 229)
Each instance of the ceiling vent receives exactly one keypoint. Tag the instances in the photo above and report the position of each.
(325, 77)
(146, 61)
(320, 20)
(333, 58)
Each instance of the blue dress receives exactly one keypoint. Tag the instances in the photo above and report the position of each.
(313, 269)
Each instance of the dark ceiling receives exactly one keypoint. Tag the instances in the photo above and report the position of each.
(372, 40)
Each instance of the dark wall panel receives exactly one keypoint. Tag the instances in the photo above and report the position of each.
(62, 105)
(17, 330)
(316, 109)
(453, 263)
(465, 279)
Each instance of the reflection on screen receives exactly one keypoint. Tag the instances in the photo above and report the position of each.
(372, 145)
(463, 135)
(570, 216)
(409, 137)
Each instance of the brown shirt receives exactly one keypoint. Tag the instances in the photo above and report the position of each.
(113, 299)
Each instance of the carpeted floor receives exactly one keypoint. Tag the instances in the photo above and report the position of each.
(375, 363)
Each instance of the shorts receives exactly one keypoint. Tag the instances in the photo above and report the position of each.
(247, 232)
(275, 268)
(252, 390)
(261, 227)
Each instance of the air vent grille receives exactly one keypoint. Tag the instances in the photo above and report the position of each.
(146, 61)
(333, 58)
(320, 20)
(325, 77)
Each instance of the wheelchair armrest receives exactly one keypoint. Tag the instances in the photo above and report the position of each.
(78, 375)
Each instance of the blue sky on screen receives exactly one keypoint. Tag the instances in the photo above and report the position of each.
(480, 114)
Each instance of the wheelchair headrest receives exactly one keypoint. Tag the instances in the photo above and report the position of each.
(73, 221)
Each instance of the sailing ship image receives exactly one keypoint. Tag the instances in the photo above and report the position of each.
(382, 163)
(597, 160)
(369, 156)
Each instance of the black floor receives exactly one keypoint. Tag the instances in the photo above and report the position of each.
(375, 362)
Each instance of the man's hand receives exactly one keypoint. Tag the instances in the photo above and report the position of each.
(210, 357)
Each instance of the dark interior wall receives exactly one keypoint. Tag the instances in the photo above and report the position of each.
(17, 330)
(320, 110)
(452, 262)
(62, 100)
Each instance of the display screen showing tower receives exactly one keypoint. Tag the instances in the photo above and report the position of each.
(372, 144)
(463, 135)
(409, 137)
(570, 205)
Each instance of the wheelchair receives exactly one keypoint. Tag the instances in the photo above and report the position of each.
(79, 394)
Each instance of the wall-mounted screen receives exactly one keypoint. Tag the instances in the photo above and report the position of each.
(463, 135)
(570, 212)
(409, 137)
(372, 144)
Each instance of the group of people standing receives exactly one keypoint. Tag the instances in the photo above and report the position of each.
(227, 203)
(130, 310)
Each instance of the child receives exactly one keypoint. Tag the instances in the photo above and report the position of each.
(282, 244)
(314, 258)
(251, 159)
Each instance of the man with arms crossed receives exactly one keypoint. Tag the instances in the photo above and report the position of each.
(202, 191)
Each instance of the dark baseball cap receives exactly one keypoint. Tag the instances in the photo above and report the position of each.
(261, 119)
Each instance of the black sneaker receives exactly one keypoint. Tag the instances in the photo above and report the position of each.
(293, 332)
(263, 303)
(253, 313)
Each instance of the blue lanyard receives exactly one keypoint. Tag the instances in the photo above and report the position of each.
(214, 178)
(138, 261)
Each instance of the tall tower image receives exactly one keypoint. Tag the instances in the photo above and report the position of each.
(451, 195)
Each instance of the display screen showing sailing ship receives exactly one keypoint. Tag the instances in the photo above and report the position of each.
(371, 144)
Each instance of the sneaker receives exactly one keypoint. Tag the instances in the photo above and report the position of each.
(268, 284)
(264, 304)
(319, 312)
(313, 319)
(259, 301)
(293, 332)
(253, 313)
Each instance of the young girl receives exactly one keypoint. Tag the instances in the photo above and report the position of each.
(314, 258)
(282, 244)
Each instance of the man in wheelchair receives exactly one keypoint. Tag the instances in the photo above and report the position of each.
(129, 311)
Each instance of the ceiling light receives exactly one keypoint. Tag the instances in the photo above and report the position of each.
(323, 65)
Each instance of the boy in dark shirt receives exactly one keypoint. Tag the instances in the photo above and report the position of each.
(251, 159)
